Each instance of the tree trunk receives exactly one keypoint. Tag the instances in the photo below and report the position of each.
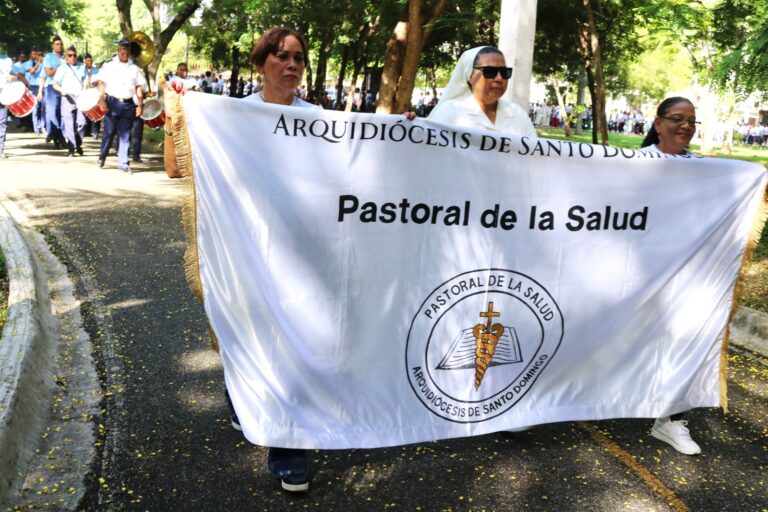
(235, 71)
(124, 16)
(555, 84)
(322, 64)
(413, 45)
(342, 75)
(580, 98)
(161, 38)
(584, 46)
(420, 19)
(393, 67)
(594, 47)
(433, 82)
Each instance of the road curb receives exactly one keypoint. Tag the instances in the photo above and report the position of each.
(26, 359)
(749, 329)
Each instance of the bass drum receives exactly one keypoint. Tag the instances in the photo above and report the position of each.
(18, 99)
(153, 114)
(88, 104)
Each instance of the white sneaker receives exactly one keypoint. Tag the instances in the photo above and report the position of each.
(675, 434)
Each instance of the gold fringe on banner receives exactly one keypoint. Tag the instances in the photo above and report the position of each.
(188, 205)
(754, 239)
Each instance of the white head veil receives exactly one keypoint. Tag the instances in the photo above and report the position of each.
(457, 87)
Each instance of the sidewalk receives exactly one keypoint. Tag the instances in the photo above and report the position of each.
(45, 354)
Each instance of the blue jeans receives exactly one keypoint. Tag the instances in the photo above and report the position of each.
(118, 120)
(280, 461)
(52, 99)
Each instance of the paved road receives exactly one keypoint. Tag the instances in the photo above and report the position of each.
(165, 440)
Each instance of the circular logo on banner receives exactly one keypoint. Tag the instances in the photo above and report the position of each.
(479, 342)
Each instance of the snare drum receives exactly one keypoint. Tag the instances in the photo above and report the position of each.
(153, 114)
(18, 99)
(88, 104)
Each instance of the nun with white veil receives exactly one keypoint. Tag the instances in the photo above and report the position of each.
(473, 96)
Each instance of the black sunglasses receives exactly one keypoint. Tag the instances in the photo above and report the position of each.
(71, 55)
(490, 72)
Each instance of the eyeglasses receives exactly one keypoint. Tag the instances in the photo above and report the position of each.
(490, 72)
(71, 55)
(681, 120)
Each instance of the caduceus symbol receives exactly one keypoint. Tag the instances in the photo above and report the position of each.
(486, 337)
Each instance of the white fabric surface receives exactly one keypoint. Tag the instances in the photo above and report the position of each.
(341, 330)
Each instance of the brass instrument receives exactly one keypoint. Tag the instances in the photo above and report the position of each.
(142, 48)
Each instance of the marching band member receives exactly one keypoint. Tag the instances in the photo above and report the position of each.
(52, 98)
(33, 76)
(90, 71)
(137, 131)
(68, 81)
(19, 70)
(180, 81)
(118, 81)
(5, 76)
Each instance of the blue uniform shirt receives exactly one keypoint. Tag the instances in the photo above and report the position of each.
(21, 68)
(51, 60)
(34, 78)
(69, 78)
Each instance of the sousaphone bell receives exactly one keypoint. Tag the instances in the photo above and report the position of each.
(142, 48)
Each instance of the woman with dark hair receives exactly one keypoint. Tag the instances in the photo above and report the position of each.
(280, 57)
(473, 96)
(671, 132)
(673, 128)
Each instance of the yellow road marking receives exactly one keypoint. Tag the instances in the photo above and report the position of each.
(656, 485)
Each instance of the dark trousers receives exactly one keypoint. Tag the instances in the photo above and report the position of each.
(52, 100)
(73, 123)
(137, 134)
(118, 121)
(92, 128)
(280, 461)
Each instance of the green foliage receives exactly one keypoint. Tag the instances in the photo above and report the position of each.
(741, 34)
(557, 48)
(464, 25)
(649, 78)
(26, 23)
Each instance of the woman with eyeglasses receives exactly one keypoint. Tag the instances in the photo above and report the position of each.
(671, 132)
(473, 96)
(673, 128)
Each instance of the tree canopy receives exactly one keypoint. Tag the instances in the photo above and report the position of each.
(27, 23)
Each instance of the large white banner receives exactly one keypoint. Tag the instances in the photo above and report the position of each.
(374, 281)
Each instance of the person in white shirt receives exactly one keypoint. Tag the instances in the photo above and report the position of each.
(671, 133)
(6, 64)
(68, 81)
(119, 81)
(473, 96)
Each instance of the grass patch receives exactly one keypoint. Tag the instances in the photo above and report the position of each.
(755, 283)
(153, 139)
